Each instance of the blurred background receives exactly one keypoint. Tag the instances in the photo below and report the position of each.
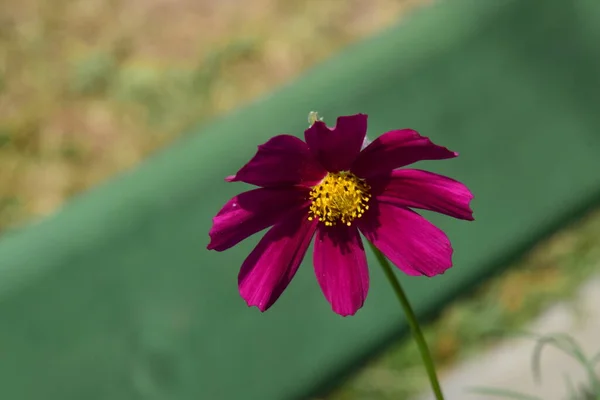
(88, 88)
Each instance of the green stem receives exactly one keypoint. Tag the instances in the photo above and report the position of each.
(412, 322)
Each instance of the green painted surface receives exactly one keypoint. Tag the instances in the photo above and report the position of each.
(115, 297)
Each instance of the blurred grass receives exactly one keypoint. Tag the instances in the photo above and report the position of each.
(88, 88)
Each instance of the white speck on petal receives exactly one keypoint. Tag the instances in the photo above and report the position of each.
(366, 142)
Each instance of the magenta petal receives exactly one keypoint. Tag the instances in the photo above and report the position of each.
(337, 148)
(425, 190)
(251, 212)
(283, 160)
(273, 263)
(341, 268)
(408, 240)
(397, 149)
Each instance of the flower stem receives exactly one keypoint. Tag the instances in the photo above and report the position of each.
(412, 322)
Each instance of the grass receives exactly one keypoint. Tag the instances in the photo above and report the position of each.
(89, 88)
(589, 390)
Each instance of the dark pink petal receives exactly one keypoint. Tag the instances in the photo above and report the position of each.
(341, 268)
(337, 148)
(408, 240)
(283, 160)
(425, 190)
(251, 212)
(397, 149)
(273, 263)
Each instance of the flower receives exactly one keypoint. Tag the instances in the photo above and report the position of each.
(332, 188)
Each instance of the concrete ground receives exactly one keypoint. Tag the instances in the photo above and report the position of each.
(508, 365)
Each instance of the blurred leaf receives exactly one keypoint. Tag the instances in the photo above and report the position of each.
(137, 83)
(503, 393)
(5, 137)
(571, 390)
(216, 60)
(71, 152)
(595, 359)
(569, 346)
(9, 206)
(92, 75)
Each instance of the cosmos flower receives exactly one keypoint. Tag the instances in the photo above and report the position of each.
(332, 188)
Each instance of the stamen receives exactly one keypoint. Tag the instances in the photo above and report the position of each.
(339, 197)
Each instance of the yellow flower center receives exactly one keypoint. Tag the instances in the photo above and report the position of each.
(341, 197)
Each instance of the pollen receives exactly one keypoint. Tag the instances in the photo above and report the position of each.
(341, 197)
